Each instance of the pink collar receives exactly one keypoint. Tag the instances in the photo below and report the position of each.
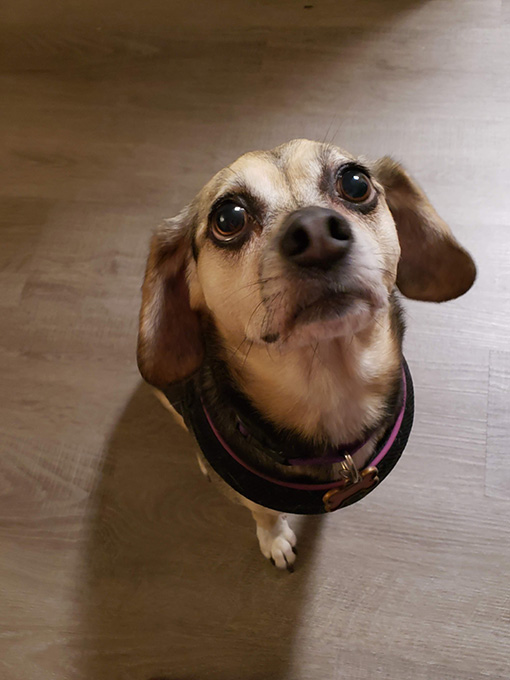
(298, 497)
(376, 460)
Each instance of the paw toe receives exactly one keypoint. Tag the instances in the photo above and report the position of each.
(282, 553)
(277, 544)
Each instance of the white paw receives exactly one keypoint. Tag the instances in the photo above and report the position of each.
(277, 543)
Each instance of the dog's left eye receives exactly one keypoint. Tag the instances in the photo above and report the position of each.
(228, 221)
(353, 185)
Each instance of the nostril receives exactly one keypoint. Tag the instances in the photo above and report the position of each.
(315, 237)
(297, 242)
(338, 229)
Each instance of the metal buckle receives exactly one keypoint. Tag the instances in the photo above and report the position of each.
(353, 482)
(348, 471)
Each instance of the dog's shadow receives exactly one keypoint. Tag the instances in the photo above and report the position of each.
(176, 586)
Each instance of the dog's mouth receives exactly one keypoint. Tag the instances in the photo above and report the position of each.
(298, 310)
(327, 314)
(328, 307)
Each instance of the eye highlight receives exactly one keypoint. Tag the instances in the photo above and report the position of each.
(228, 221)
(354, 185)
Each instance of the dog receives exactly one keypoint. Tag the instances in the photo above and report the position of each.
(271, 320)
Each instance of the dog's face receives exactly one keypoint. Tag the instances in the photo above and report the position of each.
(293, 246)
(290, 247)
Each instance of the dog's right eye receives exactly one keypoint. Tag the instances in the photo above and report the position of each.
(228, 221)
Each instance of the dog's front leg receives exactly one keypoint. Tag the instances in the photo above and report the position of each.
(276, 538)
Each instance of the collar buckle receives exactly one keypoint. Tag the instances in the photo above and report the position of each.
(353, 483)
(348, 470)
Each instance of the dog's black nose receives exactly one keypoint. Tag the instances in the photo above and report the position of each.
(315, 237)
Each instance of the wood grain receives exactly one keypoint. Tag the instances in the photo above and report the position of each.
(117, 559)
(497, 482)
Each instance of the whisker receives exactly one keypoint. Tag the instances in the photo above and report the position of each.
(239, 347)
(311, 363)
(246, 355)
(259, 282)
(333, 119)
(269, 316)
(257, 307)
(333, 137)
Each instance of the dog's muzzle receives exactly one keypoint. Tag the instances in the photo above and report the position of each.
(315, 237)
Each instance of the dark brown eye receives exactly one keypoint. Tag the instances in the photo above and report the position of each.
(353, 185)
(228, 221)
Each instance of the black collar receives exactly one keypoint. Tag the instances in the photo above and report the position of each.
(266, 489)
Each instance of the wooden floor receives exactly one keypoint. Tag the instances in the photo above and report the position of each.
(117, 559)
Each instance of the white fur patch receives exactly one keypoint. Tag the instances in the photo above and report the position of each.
(277, 542)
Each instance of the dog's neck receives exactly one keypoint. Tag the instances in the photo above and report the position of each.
(331, 392)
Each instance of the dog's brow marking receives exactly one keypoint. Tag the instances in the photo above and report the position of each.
(263, 179)
(240, 191)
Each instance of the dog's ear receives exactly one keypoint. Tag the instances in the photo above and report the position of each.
(170, 344)
(433, 265)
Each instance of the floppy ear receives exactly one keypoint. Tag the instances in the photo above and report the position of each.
(170, 345)
(433, 265)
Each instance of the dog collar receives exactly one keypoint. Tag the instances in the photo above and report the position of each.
(298, 497)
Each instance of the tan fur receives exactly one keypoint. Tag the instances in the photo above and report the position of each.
(308, 387)
(327, 379)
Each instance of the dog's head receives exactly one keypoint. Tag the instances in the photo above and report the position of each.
(289, 247)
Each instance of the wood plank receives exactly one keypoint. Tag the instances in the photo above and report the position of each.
(497, 482)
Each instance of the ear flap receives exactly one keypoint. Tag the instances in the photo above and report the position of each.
(433, 265)
(170, 345)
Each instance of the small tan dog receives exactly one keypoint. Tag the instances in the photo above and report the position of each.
(271, 300)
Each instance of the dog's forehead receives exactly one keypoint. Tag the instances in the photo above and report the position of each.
(261, 175)
(288, 173)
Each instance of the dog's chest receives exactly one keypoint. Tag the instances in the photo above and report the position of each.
(313, 400)
(341, 407)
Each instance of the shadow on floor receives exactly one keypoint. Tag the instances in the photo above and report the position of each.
(176, 587)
